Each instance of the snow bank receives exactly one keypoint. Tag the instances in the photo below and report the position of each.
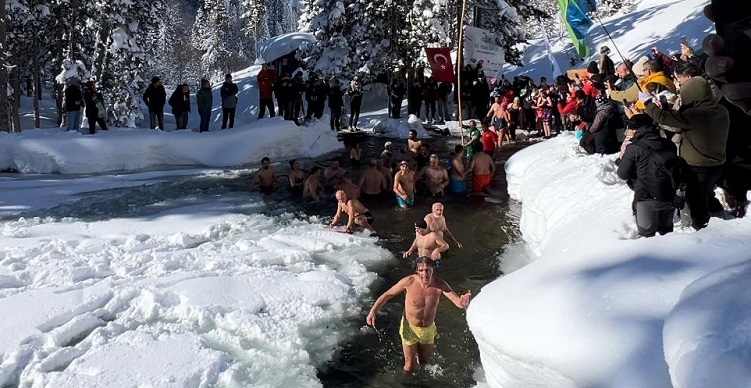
(281, 45)
(122, 149)
(590, 311)
(196, 295)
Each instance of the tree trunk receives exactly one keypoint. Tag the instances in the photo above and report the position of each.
(35, 76)
(4, 117)
(15, 83)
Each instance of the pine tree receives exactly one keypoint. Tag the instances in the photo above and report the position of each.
(218, 38)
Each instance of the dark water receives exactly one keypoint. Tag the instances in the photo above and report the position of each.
(373, 359)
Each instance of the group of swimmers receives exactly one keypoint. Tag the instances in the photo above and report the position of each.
(417, 170)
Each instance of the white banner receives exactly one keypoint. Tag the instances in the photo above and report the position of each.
(479, 45)
(553, 62)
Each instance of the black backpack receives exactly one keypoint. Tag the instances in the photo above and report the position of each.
(676, 168)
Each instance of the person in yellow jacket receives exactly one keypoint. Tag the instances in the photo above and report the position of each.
(646, 70)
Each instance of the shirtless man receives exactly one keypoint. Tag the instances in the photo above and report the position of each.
(458, 171)
(388, 154)
(437, 223)
(352, 190)
(422, 294)
(372, 181)
(402, 155)
(413, 144)
(358, 214)
(436, 177)
(483, 169)
(333, 174)
(404, 186)
(385, 169)
(312, 186)
(426, 243)
(265, 177)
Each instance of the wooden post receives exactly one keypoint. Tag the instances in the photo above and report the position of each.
(459, 67)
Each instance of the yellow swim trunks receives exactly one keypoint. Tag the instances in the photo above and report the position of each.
(412, 335)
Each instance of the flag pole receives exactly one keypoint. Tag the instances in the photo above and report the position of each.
(459, 68)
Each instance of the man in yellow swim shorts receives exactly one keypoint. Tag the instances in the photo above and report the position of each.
(422, 293)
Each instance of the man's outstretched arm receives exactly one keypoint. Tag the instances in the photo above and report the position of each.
(395, 290)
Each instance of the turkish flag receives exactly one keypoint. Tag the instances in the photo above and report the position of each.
(440, 63)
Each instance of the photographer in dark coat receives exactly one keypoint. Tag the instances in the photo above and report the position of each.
(180, 103)
(654, 192)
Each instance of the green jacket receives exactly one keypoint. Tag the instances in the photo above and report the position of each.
(702, 122)
(205, 100)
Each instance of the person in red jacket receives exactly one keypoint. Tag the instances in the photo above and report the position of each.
(266, 79)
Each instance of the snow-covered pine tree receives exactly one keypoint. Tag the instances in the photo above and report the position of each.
(217, 37)
(330, 23)
(121, 59)
(504, 18)
(252, 14)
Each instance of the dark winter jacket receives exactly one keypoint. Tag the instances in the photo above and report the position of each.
(73, 98)
(205, 100)
(444, 90)
(155, 97)
(228, 92)
(641, 168)
(179, 101)
(603, 116)
(606, 66)
(430, 91)
(703, 123)
(396, 89)
(315, 91)
(94, 103)
(298, 88)
(336, 97)
(284, 88)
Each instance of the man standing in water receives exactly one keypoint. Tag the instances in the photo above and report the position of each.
(483, 169)
(357, 212)
(404, 186)
(422, 294)
(266, 176)
(427, 243)
(436, 222)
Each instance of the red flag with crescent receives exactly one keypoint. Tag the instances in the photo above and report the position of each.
(440, 63)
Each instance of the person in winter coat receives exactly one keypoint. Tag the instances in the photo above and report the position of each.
(430, 96)
(480, 96)
(606, 65)
(396, 96)
(204, 100)
(444, 90)
(155, 97)
(355, 93)
(96, 112)
(266, 81)
(73, 105)
(228, 92)
(298, 89)
(415, 94)
(336, 101)
(602, 138)
(703, 125)
(653, 188)
(180, 103)
(315, 97)
(284, 94)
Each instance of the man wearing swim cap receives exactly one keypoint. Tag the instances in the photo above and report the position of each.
(422, 294)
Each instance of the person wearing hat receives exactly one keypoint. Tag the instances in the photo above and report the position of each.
(642, 168)
(228, 92)
(704, 126)
(606, 64)
(404, 186)
(155, 97)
